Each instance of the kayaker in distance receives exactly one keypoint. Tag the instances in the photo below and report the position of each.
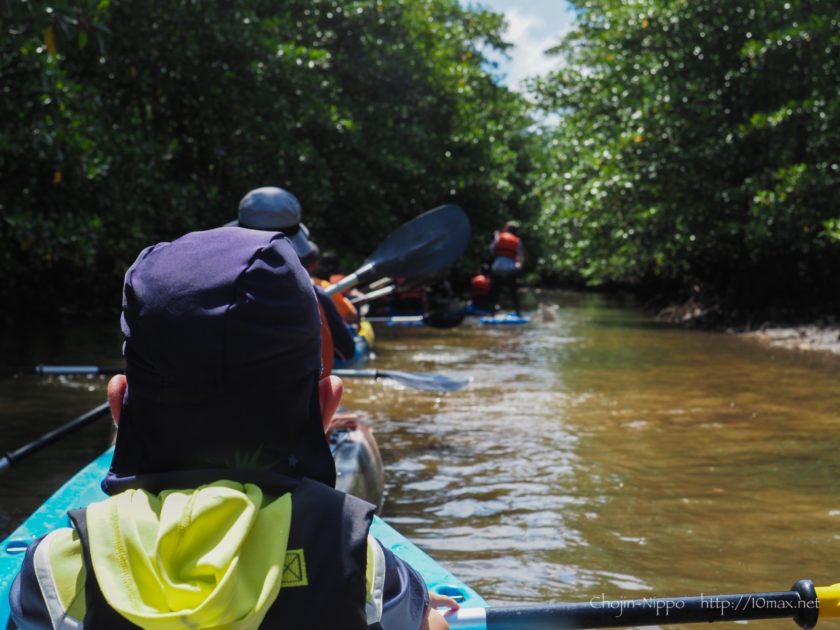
(221, 511)
(409, 300)
(481, 290)
(508, 257)
(277, 210)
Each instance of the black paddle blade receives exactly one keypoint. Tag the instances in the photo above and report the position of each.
(424, 245)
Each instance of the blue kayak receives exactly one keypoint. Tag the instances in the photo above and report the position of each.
(506, 319)
(412, 321)
(471, 309)
(83, 488)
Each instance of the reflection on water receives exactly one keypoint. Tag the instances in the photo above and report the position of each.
(594, 452)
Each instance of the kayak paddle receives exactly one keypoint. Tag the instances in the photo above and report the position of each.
(76, 370)
(804, 603)
(426, 382)
(435, 319)
(370, 296)
(378, 284)
(423, 246)
(12, 457)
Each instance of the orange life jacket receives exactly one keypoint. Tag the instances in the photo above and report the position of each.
(345, 307)
(480, 285)
(507, 245)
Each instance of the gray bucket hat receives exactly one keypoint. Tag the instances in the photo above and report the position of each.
(274, 209)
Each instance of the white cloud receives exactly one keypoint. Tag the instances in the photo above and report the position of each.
(533, 26)
(528, 56)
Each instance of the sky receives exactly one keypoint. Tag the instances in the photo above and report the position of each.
(533, 26)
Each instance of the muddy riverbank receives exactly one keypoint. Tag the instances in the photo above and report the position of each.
(812, 337)
(821, 335)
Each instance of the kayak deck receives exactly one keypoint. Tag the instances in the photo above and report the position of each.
(358, 465)
(83, 489)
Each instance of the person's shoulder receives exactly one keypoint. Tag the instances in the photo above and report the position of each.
(51, 581)
(397, 593)
(374, 580)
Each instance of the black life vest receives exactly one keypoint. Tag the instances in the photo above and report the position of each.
(329, 526)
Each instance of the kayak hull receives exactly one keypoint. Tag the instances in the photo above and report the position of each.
(473, 310)
(358, 465)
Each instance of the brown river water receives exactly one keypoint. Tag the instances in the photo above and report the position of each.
(595, 453)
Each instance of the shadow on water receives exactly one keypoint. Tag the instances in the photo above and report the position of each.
(595, 452)
(30, 406)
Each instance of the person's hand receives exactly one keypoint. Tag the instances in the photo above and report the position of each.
(434, 619)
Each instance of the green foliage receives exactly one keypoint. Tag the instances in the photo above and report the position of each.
(128, 122)
(699, 143)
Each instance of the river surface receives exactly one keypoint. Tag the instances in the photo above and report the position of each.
(595, 453)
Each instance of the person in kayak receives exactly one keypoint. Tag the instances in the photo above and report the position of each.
(481, 290)
(409, 299)
(221, 510)
(329, 269)
(508, 257)
(349, 313)
(326, 273)
(277, 210)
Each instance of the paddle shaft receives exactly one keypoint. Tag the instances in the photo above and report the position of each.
(76, 370)
(357, 373)
(374, 295)
(417, 380)
(396, 319)
(800, 604)
(435, 319)
(13, 457)
(378, 284)
(361, 275)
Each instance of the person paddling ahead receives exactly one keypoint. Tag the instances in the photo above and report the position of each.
(481, 290)
(508, 257)
(221, 511)
(277, 210)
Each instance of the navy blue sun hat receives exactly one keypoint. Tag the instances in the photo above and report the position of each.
(276, 209)
(223, 355)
